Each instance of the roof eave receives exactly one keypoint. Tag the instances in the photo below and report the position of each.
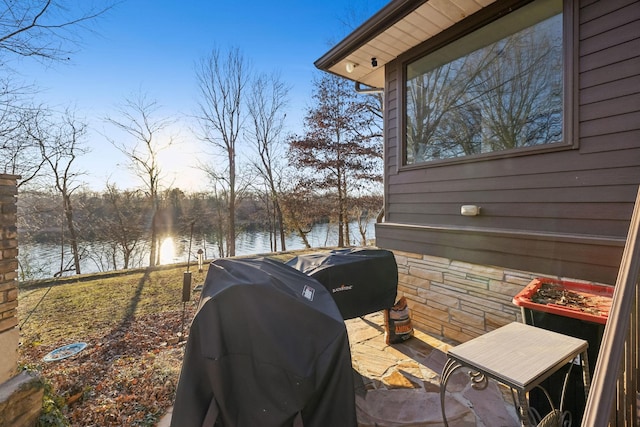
(377, 24)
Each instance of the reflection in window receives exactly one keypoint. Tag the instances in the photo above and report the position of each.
(499, 88)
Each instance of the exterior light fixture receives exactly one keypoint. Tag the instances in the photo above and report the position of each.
(350, 67)
(469, 210)
(374, 62)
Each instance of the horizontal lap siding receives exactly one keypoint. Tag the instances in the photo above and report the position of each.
(586, 192)
(588, 260)
(391, 141)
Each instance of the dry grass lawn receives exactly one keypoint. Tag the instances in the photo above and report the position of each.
(132, 324)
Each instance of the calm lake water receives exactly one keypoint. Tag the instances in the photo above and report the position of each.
(40, 261)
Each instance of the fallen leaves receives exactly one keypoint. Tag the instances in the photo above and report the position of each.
(127, 377)
(551, 293)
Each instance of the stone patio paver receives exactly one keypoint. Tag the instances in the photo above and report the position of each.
(404, 383)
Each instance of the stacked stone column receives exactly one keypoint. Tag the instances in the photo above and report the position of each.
(20, 392)
(9, 334)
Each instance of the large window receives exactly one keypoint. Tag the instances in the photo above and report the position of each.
(498, 88)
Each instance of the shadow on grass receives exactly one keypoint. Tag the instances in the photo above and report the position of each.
(128, 330)
(135, 299)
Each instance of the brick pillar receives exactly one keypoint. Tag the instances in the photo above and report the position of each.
(9, 334)
(20, 393)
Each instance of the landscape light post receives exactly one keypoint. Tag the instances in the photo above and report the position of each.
(200, 259)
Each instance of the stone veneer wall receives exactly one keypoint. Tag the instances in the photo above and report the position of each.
(9, 333)
(458, 300)
(20, 393)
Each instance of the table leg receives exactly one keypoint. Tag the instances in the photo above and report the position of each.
(523, 408)
(449, 368)
(586, 377)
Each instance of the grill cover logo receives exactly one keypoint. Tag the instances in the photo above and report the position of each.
(308, 292)
(342, 288)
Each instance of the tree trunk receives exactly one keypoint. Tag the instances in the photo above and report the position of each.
(271, 224)
(68, 213)
(219, 230)
(231, 240)
(345, 213)
(154, 237)
(303, 236)
(280, 218)
(341, 209)
(347, 232)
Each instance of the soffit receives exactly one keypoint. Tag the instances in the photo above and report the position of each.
(398, 27)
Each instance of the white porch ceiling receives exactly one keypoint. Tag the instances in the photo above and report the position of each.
(385, 38)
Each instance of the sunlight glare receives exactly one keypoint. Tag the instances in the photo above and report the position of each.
(179, 164)
(167, 251)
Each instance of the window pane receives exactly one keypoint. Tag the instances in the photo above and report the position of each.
(504, 95)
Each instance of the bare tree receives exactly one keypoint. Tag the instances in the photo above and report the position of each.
(219, 218)
(222, 80)
(302, 207)
(117, 223)
(137, 119)
(46, 29)
(19, 153)
(364, 211)
(267, 100)
(218, 212)
(61, 143)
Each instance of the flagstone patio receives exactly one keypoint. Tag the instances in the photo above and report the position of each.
(399, 384)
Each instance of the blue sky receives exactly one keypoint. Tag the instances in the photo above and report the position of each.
(151, 46)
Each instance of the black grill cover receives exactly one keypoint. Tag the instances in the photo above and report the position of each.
(361, 281)
(266, 345)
